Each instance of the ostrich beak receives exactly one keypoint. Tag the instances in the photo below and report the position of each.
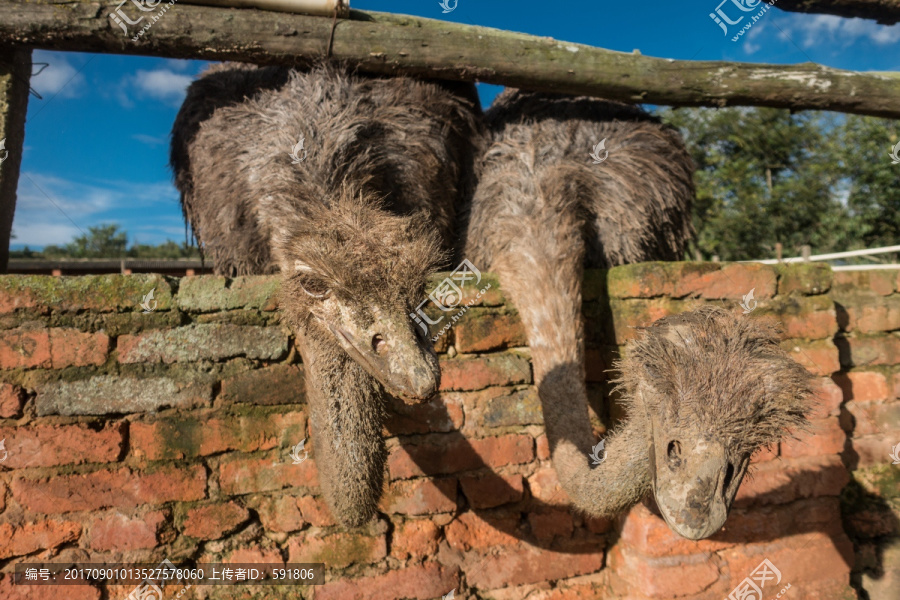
(694, 484)
(391, 352)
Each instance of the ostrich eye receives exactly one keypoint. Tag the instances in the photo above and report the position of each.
(314, 287)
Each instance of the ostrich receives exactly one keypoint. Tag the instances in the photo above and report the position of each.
(354, 223)
(705, 388)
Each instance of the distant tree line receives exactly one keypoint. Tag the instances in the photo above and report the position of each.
(813, 178)
(107, 241)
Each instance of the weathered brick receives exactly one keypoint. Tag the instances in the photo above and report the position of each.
(872, 418)
(421, 582)
(73, 348)
(214, 293)
(871, 350)
(819, 357)
(805, 317)
(414, 539)
(31, 537)
(482, 331)
(338, 550)
(51, 445)
(478, 373)
(503, 407)
(870, 313)
(662, 577)
(492, 295)
(281, 513)
(315, 511)
(107, 394)
(471, 530)
(437, 456)
(442, 413)
(123, 488)
(523, 563)
(862, 386)
(873, 450)
(653, 279)
(806, 279)
(828, 397)
(730, 282)
(492, 490)
(212, 521)
(247, 475)
(187, 437)
(648, 534)
(11, 399)
(96, 293)
(825, 437)
(545, 486)
(278, 384)
(25, 349)
(780, 482)
(630, 314)
(880, 282)
(203, 342)
(420, 497)
(119, 532)
(255, 555)
(551, 523)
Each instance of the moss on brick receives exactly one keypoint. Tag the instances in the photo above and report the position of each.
(652, 279)
(210, 293)
(101, 293)
(808, 279)
(116, 324)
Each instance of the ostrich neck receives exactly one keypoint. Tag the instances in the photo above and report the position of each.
(544, 284)
(346, 412)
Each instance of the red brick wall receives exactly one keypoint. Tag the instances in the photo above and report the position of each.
(134, 437)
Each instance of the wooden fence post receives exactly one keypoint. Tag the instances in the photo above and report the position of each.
(15, 74)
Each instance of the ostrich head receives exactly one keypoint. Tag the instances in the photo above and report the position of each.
(352, 275)
(713, 388)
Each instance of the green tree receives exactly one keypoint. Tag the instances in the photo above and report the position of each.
(764, 176)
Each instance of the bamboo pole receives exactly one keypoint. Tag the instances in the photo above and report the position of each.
(398, 44)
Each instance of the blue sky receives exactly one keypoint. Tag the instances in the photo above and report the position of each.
(96, 145)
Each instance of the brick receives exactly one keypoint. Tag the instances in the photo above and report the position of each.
(804, 317)
(895, 386)
(123, 488)
(764, 454)
(862, 386)
(278, 384)
(551, 523)
(471, 530)
(209, 293)
(188, 437)
(107, 394)
(542, 447)
(421, 582)
(880, 282)
(215, 341)
(503, 408)
(315, 511)
(281, 514)
(247, 475)
(31, 537)
(255, 555)
(825, 437)
(523, 563)
(871, 350)
(73, 348)
(653, 279)
(338, 550)
(828, 398)
(627, 315)
(119, 532)
(415, 539)
(10, 591)
(779, 482)
(12, 397)
(872, 418)
(437, 456)
(647, 534)
(874, 450)
(492, 295)
(492, 490)
(807, 279)
(25, 349)
(868, 314)
(483, 331)
(662, 577)
(819, 357)
(730, 282)
(420, 497)
(212, 521)
(94, 293)
(441, 413)
(52, 445)
(545, 486)
(478, 373)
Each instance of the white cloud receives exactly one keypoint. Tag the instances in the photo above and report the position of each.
(162, 84)
(150, 140)
(46, 203)
(755, 32)
(60, 77)
(830, 30)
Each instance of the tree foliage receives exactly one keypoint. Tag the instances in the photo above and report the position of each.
(766, 176)
(108, 241)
